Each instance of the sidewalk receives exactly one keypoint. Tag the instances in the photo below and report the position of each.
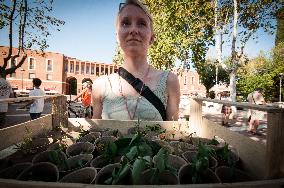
(239, 124)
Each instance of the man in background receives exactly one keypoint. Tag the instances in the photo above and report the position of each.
(5, 92)
(36, 105)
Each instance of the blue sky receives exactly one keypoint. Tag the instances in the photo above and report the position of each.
(89, 32)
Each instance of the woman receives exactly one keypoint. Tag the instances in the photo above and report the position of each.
(114, 97)
(85, 96)
(226, 110)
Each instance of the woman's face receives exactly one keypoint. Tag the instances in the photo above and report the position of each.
(134, 32)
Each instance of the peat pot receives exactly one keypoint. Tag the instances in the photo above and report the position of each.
(85, 175)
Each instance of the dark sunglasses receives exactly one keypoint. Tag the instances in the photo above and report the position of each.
(122, 5)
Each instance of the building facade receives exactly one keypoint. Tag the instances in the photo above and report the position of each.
(64, 75)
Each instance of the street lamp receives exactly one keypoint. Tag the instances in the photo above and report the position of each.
(22, 71)
(280, 94)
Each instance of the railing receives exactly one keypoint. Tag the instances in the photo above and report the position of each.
(274, 148)
(58, 117)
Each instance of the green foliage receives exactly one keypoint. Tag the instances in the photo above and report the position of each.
(183, 31)
(263, 71)
(29, 22)
(201, 162)
(118, 57)
(207, 74)
(280, 27)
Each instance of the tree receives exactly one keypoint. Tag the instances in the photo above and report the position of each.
(263, 71)
(280, 26)
(250, 16)
(207, 75)
(183, 32)
(29, 23)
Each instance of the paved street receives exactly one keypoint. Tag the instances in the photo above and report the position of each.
(16, 116)
(239, 124)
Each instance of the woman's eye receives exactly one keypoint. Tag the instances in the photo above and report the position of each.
(125, 23)
(142, 23)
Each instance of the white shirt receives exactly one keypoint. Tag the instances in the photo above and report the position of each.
(38, 104)
(5, 92)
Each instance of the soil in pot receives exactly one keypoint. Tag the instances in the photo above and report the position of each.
(75, 163)
(188, 176)
(106, 172)
(102, 161)
(14, 171)
(181, 147)
(43, 171)
(91, 137)
(151, 177)
(85, 175)
(115, 133)
(230, 175)
(80, 148)
(102, 143)
(56, 157)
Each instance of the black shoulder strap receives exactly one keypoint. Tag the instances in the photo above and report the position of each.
(146, 92)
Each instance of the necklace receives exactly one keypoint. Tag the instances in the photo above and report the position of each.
(131, 116)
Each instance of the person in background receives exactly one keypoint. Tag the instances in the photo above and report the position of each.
(5, 92)
(226, 110)
(114, 96)
(36, 105)
(255, 97)
(86, 98)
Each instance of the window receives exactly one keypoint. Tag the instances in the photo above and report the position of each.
(71, 67)
(192, 80)
(49, 77)
(88, 69)
(111, 70)
(31, 63)
(92, 69)
(31, 75)
(66, 66)
(97, 71)
(185, 80)
(14, 63)
(102, 71)
(106, 71)
(49, 66)
(13, 75)
(77, 68)
(82, 68)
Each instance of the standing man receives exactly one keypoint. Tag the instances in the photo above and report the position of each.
(36, 106)
(255, 97)
(5, 92)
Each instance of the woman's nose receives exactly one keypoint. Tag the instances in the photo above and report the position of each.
(133, 30)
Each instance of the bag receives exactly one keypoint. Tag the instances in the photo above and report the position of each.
(249, 118)
(137, 84)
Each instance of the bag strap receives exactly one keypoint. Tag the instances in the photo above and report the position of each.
(137, 84)
(253, 98)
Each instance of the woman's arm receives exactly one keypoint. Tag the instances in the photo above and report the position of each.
(173, 90)
(80, 94)
(97, 97)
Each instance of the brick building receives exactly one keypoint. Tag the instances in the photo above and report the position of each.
(63, 74)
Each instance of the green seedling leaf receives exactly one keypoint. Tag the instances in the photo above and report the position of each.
(144, 150)
(139, 166)
(111, 149)
(132, 153)
(160, 160)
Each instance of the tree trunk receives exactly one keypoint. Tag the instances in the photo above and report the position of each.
(234, 54)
